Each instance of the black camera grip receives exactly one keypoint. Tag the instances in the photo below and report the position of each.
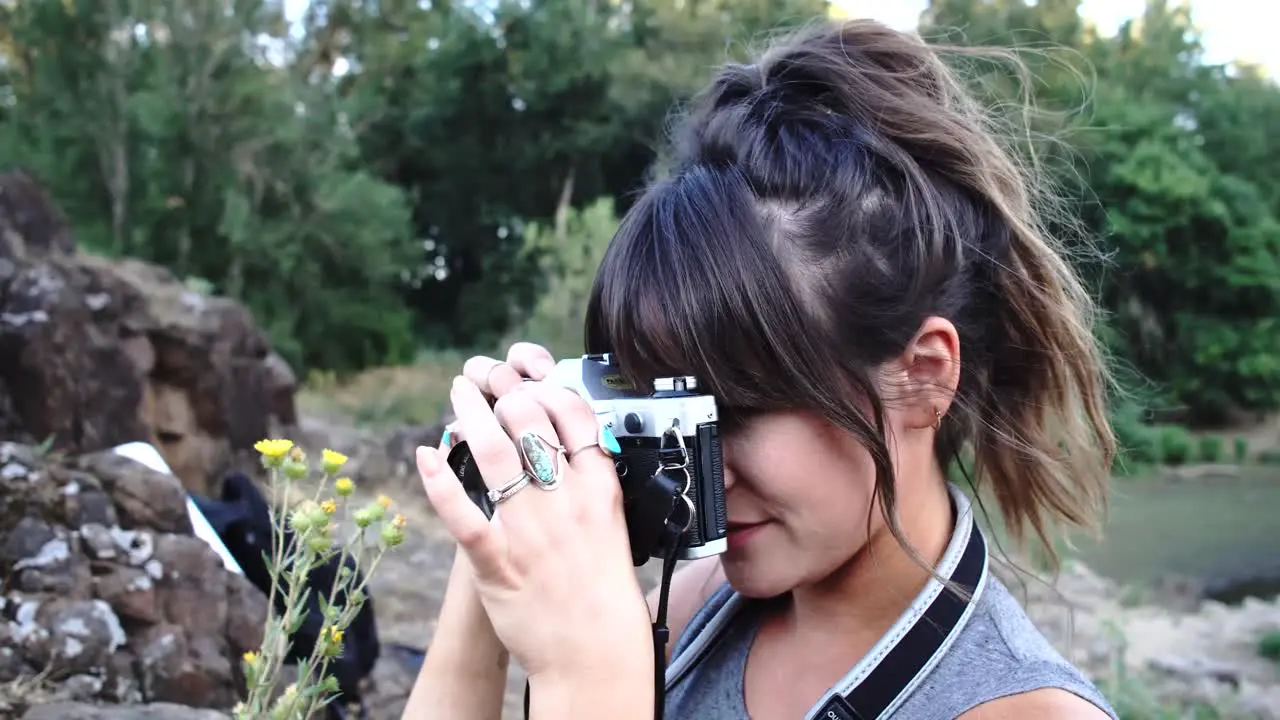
(464, 467)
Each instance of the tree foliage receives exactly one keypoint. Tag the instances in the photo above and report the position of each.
(374, 178)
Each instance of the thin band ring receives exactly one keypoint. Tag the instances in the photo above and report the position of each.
(605, 442)
(513, 486)
(489, 375)
(576, 451)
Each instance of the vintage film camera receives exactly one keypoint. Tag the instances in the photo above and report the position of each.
(669, 428)
(669, 425)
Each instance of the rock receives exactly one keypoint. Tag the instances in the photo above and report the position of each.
(401, 446)
(97, 352)
(155, 711)
(1192, 668)
(140, 610)
(130, 592)
(142, 497)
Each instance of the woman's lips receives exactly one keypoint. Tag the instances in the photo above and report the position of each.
(738, 534)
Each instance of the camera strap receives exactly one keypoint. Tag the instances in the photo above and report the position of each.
(908, 652)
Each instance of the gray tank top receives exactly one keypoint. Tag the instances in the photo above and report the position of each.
(998, 652)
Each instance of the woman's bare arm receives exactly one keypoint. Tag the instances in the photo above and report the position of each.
(464, 675)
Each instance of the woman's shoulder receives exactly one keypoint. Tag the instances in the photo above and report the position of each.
(1001, 658)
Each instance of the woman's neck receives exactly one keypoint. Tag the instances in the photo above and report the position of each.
(868, 594)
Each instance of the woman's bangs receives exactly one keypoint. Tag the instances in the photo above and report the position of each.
(689, 287)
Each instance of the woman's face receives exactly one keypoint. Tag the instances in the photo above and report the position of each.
(799, 490)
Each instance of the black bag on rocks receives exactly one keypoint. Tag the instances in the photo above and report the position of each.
(242, 519)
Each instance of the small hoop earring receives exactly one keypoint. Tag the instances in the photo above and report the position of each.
(937, 418)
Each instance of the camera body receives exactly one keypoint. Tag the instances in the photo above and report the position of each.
(669, 427)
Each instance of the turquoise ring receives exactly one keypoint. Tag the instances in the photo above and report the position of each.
(541, 460)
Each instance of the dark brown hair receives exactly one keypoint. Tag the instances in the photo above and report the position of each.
(820, 204)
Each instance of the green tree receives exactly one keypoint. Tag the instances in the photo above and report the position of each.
(166, 136)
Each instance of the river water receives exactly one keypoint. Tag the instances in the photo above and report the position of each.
(1223, 531)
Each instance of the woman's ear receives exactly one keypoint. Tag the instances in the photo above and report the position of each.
(931, 365)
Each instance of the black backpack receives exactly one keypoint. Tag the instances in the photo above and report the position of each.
(241, 518)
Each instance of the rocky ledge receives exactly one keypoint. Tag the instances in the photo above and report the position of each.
(110, 597)
(96, 352)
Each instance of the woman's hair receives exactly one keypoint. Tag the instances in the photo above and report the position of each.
(821, 203)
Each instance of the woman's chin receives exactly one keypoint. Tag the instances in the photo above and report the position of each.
(756, 581)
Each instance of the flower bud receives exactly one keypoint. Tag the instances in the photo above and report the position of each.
(392, 535)
(343, 486)
(300, 521)
(295, 469)
(319, 543)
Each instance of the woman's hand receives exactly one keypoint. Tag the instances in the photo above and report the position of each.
(553, 567)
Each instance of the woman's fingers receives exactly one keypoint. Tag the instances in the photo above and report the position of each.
(496, 378)
(494, 438)
(464, 521)
(579, 431)
(531, 360)
(534, 436)
(491, 448)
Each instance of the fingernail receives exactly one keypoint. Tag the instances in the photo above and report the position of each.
(458, 383)
(609, 441)
(428, 464)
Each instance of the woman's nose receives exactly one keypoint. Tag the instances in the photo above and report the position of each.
(730, 477)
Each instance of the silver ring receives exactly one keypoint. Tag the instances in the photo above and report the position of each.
(604, 441)
(513, 486)
(541, 459)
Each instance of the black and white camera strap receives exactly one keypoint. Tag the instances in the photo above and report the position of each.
(908, 652)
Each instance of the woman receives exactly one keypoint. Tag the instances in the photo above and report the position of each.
(853, 267)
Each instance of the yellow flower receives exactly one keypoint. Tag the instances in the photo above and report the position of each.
(273, 448)
(331, 460)
(343, 486)
(384, 501)
(250, 657)
(329, 506)
(398, 520)
(335, 635)
(273, 451)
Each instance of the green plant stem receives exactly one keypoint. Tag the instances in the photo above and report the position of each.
(319, 660)
(273, 659)
(265, 676)
(348, 611)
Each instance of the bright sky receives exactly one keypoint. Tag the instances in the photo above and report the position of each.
(1233, 29)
